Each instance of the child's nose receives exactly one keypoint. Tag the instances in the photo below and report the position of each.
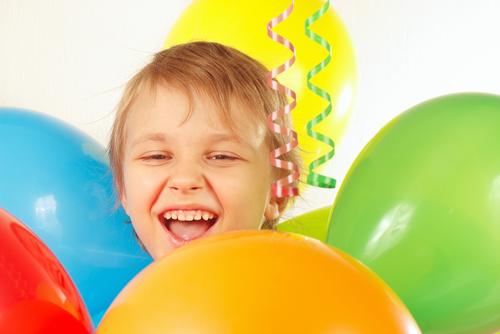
(186, 178)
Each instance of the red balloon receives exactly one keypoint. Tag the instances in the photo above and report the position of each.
(36, 293)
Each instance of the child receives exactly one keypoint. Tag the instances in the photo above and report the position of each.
(190, 146)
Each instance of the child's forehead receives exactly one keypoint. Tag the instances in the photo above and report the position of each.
(235, 116)
(227, 110)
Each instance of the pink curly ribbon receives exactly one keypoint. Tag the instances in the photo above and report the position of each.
(278, 188)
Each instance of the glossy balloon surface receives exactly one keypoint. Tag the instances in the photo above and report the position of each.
(310, 224)
(257, 282)
(420, 206)
(37, 296)
(243, 24)
(56, 179)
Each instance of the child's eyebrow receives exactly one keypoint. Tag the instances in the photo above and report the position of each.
(222, 137)
(150, 136)
(214, 138)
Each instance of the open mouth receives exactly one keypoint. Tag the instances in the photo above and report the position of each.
(189, 224)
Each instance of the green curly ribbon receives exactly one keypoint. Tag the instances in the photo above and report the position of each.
(313, 178)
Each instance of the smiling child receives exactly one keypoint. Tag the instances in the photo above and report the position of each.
(190, 146)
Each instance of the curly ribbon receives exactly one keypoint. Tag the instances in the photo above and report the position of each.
(313, 178)
(278, 188)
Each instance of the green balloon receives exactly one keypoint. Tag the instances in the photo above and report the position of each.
(420, 206)
(311, 224)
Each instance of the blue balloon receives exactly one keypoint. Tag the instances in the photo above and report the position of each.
(56, 180)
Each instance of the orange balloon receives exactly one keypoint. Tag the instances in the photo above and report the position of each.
(257, 282)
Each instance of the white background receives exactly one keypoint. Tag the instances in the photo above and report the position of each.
(71, 58)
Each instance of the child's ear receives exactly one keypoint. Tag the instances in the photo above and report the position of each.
(123, 199)
(275, 207)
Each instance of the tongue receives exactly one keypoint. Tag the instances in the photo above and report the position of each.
(189, 229)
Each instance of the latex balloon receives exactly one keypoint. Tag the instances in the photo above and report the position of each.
(97, 317)
(56, 179)
(256, 282)
(242, 24)
(37, 294)
(311, 224)
(420, 206)
(39, 317)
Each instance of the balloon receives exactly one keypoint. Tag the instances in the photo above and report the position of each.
(56, 179)
(311, 224)
(97, 317)
(256, 282)
(242, 25)
(420, 206)
(37, 294)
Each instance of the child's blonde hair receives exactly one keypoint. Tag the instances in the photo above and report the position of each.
(219, 73)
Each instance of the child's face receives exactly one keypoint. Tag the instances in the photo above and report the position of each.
(195, 171)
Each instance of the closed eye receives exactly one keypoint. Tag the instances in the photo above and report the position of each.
(155, 157)
(223, 157)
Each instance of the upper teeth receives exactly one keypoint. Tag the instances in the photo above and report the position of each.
(189, 215)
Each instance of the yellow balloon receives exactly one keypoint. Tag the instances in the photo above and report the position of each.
(242, 24)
